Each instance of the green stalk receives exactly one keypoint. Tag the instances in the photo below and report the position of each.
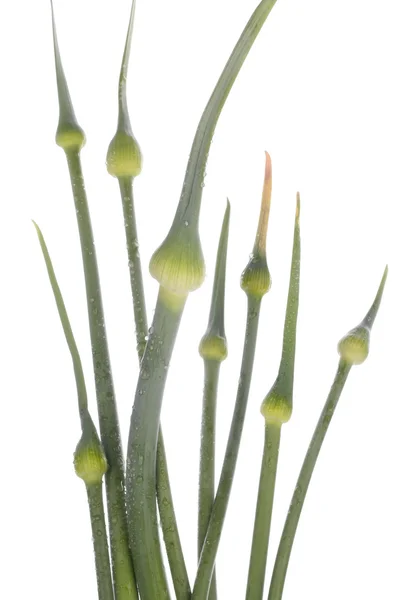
(90, 461)
(71, 138)
(169, 525)
(296, 505)
(99, 536)
(256, 282)
(194, 176)
(207, 459)
(276, 409)
(135, 269)
(124, 161)
(124, 582)
(213, 350)
(178, 265)
(262, 524)
(142, 442)
(353, 349)
(210, 546)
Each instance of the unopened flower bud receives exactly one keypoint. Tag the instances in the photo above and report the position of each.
(276, 408)
(124, 158)
(178, 264)
(213, 347)
(89, 459)
(70, 137)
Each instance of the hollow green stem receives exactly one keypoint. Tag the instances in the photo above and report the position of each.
(71, 138)
(190, 200)
(169, 525)
(262, 523)
(135, 269)
(213, 349)
(296, 505)
(124, 582)
(164, 493)
(207, 458)
(124, 161)
(100, 543)
(142, 444)
(211, 542)
(90, 461)
(163, 487)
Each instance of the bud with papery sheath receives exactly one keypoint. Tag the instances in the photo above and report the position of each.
(178, 264)
(213, 344)
(277, 405)
(89, 459)
(256, 279)
(354, 346)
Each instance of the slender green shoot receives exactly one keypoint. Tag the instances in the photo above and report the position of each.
(89, 458)
(169, 525)
(265, 501)
(190, 200)
(142, 443)
(255, 281)
(289, 530)
(213, 350)
(124, 162)
(347, 360)
(69, 336)
(178, 266)
(276, 409)
(100, 541)
(71, 138)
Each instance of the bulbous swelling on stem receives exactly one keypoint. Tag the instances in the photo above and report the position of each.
(70, 136)
(256, 279)
(178, 264)
(89, 458)
(276, 408)
(213, 347)
(124, 158)
(354, 346)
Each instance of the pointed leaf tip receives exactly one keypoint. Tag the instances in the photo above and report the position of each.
(297, 207)
(354, 346)
(261, 236)
(69, 135)
(213, 345)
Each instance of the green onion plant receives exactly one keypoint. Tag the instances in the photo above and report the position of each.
(129, 551)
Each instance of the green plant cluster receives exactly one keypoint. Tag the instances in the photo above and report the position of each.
(129, 560)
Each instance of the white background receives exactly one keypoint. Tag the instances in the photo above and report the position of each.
(320, 92)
